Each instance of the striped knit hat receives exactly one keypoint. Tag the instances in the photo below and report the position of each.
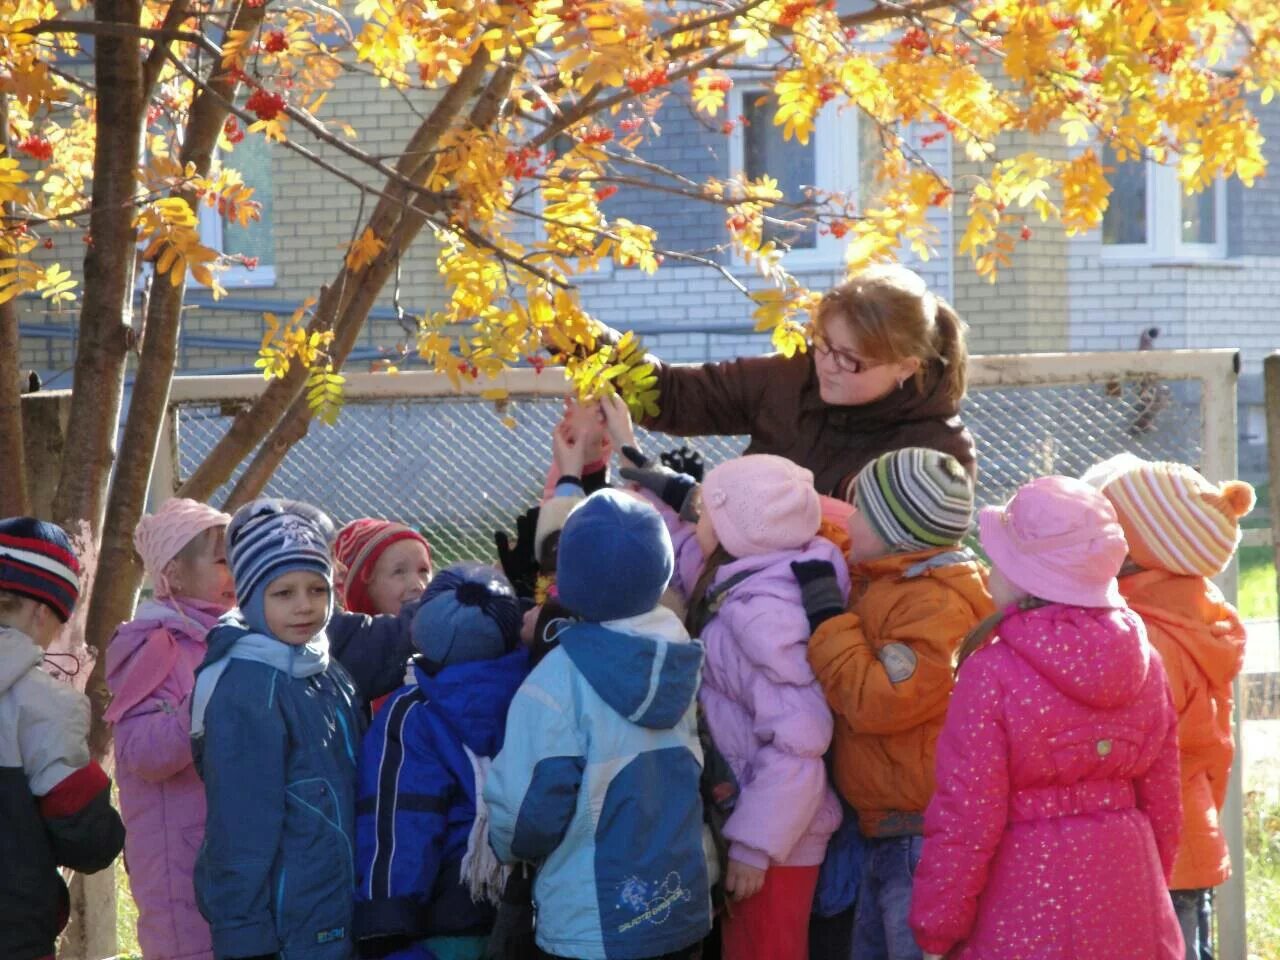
(1176, 520)
(38, 561)
(268, 538)
(359, 545)
(915, 499)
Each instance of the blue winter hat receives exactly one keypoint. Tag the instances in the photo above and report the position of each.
(469, 612)
(615, 557)
(268, 538)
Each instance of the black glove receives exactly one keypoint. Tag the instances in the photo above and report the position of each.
(518, 561)
(512, 937)
(684, 459)
(819, 591)
(673, 489)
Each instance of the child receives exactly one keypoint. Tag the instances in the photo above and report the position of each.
(598, 777)
(425, 868)
(151, 671)
(384, 564)
(765, 711)
(887, 666)
(274, 730)
(1181, 530)
(55, 802)
(1054, 825)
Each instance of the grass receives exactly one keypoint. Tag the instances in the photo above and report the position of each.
(1257, 593)
(1262, 872)
(126, 917)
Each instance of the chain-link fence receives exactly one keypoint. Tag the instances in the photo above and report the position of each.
(448, 464)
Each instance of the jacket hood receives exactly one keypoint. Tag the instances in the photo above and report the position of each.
(475, 696)
(19, 655)
(1094, 655)
(646, 668)
(1195, 615)
(770, 574)
(132, 678)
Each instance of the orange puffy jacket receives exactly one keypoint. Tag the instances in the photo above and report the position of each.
(887, 669)
(1201, 641)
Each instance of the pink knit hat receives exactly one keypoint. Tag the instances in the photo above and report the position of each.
(1059, 540)
(160, 536)
(760, 503)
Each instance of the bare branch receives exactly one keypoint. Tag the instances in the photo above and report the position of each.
(173, 18)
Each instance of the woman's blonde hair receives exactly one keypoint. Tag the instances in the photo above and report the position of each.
(893, 316)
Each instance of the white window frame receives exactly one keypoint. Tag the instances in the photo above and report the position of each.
(235, 274)
(835, 140)
(1164, 241)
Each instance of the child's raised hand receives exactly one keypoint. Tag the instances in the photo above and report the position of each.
(568, 449)
(742, 880)
(617, 420)
(586, 423)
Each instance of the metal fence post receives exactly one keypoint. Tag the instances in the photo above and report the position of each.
(1218, 428)
(164, 471)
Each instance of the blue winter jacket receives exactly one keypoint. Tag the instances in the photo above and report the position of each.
(598, 779)
(417, 799)
(278, 758)
(374, 650)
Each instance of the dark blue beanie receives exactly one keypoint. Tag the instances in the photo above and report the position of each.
(615, 557)
(469, 612)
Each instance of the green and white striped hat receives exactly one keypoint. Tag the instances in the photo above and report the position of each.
(915, 498)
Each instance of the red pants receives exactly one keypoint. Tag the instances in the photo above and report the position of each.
(774, 924)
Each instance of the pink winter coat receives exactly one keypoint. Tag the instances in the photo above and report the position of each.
(151, 666)
(1055, 823)
(766, 711)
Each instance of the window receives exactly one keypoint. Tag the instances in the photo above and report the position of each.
(828, 162)
(1150, 216)
(252, 158)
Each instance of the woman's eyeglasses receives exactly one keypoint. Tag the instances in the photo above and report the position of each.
(844, 360)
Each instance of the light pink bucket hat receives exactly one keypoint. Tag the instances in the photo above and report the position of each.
(160, 536)
(1059, 540)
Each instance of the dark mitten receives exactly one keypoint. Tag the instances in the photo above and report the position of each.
(819, 591)
(551, 620)
(512, 937)
(517, 560)
(673, 489)
(685, 459)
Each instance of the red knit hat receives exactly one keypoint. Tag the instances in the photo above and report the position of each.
(358, 546)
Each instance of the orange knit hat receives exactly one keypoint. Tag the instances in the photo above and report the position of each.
(1176, 520)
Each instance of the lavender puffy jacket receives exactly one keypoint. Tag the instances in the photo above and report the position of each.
(765, 709)
(151, 666)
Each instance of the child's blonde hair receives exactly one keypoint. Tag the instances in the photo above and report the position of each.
(894, 316)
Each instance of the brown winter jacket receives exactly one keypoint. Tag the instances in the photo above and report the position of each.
(887, 668)
(775, 400)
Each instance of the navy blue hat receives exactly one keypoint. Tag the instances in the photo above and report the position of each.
(268, 538)
(469, 612)
(615, 557)
(38, 561)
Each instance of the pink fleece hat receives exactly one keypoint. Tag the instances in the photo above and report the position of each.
(761, 503)
(1059, 540)
(160, 536)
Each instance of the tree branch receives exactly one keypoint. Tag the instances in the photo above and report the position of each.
(117, 30)
(173, 18)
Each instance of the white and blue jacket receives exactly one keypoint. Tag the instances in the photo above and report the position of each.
(598, 781)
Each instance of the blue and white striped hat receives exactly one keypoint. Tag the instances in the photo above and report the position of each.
(268, 535)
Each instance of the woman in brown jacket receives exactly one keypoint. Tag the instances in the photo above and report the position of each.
(886, 370)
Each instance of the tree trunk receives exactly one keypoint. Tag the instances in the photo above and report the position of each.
(98, 385)
(14, 498)
(344, 305)
(114, 599)
(403, 226)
